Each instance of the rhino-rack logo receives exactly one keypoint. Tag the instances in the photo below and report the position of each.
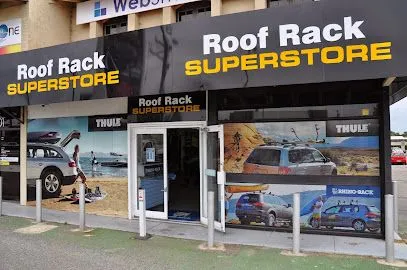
(343, 191)
(353, 128)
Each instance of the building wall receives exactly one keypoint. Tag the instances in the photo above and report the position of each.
(151, 18)
(78, 32)
(235, 6)
(49, 23)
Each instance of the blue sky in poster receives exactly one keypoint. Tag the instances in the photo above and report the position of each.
(307, 131)
(100, 142)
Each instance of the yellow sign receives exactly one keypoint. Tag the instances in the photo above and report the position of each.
(64, 83)
(365, 112)
(291, 58)
(4, 163)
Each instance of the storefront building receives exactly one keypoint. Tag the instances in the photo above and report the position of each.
(256, 106)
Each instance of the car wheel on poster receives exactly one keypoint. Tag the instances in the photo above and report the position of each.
(51, 183)
(359, 225)
(271, 220)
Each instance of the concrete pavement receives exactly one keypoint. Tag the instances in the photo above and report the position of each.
(64, 248)
(309, 243)
(399, 173)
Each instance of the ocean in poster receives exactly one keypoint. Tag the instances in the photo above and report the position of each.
(99, 170)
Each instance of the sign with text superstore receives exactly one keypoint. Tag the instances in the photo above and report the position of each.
(96, 10)
(312, 42)
(174, 107)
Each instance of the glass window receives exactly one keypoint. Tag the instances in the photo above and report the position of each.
(333, 210)
(38, 153)
(266, 156)
(294, 156)
(276, 3)
(51, 153)
(194, 10)
(317, 156)
(373, 209)
(254, 198)
(115, 26)
(300, 102)
(346, 209)
(307, 156)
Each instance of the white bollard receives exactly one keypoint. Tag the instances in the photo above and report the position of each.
(1, 196)
(38, 200)
(389, 228)
(211, 218)
(142, 216)
(296, 224)
(82, 206)
(396, 206)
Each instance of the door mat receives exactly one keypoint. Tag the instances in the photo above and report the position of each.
(184, 215)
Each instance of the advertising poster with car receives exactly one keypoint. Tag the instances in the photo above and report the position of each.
(345, 147)
(65, 151)
(327, 207)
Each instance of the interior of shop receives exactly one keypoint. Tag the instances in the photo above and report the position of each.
(10, 152)
(183, 161)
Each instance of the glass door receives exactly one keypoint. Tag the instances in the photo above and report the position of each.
(151, 170)
(214, 178)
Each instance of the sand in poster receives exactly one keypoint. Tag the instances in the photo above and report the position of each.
(333, 207)
(102, 158)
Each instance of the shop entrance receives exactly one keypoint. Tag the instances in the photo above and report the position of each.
(184, 166)
(176, 165)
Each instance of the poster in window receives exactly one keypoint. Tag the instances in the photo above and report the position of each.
(322, 207)
(303, 148)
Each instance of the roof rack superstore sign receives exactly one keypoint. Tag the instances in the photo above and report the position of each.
(289, 36)
(313, 42)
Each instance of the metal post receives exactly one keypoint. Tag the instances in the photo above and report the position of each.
(1, 196)
(389, 233)
(38, 199)
(296, 224)
(396, 206)
(211, 218)
(82, 206)
(142, 217)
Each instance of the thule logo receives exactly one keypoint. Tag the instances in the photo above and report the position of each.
(111, 122)
(353, 128)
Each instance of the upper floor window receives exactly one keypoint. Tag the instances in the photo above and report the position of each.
(115, 26)
(276, 3)
(193, 10)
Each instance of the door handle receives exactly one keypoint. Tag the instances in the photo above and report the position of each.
(39, 164)
(165, 189)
